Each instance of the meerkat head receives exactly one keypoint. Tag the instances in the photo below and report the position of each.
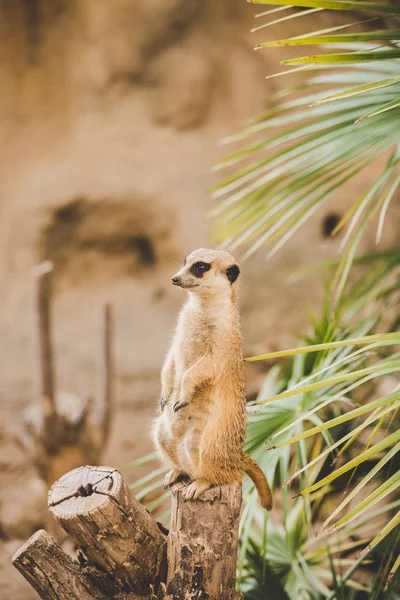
(208, 272)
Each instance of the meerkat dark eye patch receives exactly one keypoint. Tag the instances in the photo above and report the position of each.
(199, 268)
(233, 273)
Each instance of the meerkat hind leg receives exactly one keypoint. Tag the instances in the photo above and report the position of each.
(195, 488)
(173, 476)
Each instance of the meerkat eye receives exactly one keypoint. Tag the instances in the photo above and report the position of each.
(233, 273)
(199, 268)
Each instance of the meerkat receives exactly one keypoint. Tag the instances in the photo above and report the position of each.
(201, 428)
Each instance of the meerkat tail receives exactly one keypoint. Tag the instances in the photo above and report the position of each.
(257, 476)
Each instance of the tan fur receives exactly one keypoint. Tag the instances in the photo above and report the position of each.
(202, 426)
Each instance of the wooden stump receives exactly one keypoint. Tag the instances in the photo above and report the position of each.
(202, 545)
(123, 552)
(115, 533)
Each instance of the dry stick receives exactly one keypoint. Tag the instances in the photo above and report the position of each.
(115, 532)
(51, 572)
(202, 545)
(42, 277)
(104, 410)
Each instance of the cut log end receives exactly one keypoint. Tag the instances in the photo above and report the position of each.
(83, 490)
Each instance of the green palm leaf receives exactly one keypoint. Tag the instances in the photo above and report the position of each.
(306, 40)
(381, 109)
(336, 5)
(393, 523)
(387, 487)
(362, 89)
(357, 412)
(382, 339)
(344, 58)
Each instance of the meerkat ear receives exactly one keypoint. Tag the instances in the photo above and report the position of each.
(233, 273)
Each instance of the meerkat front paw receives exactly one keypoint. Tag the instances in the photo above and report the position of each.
(173, 476)
(179, 404)
(166, 393)
(195, 488)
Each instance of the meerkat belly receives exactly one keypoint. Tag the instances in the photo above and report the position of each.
(223, 436)
(178, 437)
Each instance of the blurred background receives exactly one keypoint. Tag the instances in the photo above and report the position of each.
(110, 119)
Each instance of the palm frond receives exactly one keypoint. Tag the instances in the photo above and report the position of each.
(343, 356)
(310, 153)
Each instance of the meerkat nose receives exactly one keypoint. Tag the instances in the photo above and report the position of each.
(176, 280)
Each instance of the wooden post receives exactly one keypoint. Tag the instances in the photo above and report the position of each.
(114, 531)
(202, 545)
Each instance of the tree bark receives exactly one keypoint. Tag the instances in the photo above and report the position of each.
(115, 533)
(51, 572)
(202, 545)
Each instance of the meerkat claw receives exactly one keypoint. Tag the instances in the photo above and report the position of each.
(196, 488)
(173, 476)
(179, 405)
